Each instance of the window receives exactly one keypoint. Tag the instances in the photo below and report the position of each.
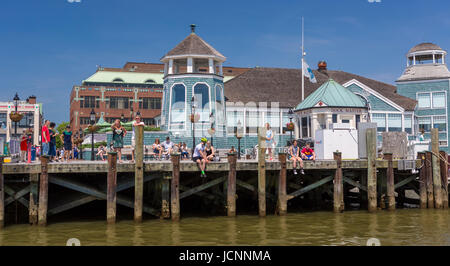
(395, 122)
(89, 102)
(27, 120)
(85, 121)
(425, 123)
(440, 122)
(150, 81)
(201, 92)
(220, 112)
(149, 121)
(273, 118)
(439, 99)
(119, 102)
(253, 121)
(233, 118)
(178, 106)
(285, 120)
(380, 119)
(424, 100)
(118, 80)
(408, 124)
(334, 118)
(150, 103)
(304, 127)
(2, 120)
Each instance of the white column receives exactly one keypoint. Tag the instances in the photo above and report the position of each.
(434, 58)
(221, 69)
(36, 125)
(190, 65)
(443, 58)
(166, 68)
(403, 122)
(170, 66)
(8, 125)
(414, 60)
(211, 66)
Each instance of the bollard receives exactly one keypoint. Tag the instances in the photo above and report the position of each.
(390, 181)
(338, 195)
(371, 141)
(139, 173)
(175, 191)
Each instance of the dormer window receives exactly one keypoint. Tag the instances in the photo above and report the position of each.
(150, 81)
(118, 80)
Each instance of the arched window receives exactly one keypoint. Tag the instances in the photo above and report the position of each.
(178, 106)
(220, 108)
(201, 92)
(118, 80)
(150, 81)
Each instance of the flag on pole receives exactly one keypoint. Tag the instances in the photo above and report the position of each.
(307, 72)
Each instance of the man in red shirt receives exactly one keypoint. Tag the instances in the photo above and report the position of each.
(45, 138)
(308, 153)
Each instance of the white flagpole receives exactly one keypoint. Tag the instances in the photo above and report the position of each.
(303, 53)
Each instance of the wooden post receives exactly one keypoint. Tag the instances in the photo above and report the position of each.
(2, 195)
(165, 193)
(390, 191)
(139, 173)
(429, 175)
(231, 185)
(371, 142)
(43, 191)
(363, 194)
(262, 172)
(437, 184)
(175, 191)
(282, 195)
(338, 195)
(111, 196)
(33, 204)
(423, 181)
(444, 179)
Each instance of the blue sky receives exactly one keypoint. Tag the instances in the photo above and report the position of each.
(47, 46)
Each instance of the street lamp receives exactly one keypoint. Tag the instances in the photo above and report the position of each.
(81, 144)
(16, 103)
(291, 116)
(92, 117)
(131, 112)
(211, 130)
(239, 135)
(193, 120)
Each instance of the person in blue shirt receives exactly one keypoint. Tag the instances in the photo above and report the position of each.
(199, 156)
(67, 139)
(270, 143)
(294, 154)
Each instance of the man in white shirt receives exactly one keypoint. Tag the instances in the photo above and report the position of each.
(199, 156)
(168, 146)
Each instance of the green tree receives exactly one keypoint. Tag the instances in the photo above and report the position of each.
(60, 128)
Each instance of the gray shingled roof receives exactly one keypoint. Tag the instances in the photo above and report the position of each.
(194, 45)
(284, 86)
(424, 47)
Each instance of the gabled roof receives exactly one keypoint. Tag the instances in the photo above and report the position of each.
(285, 85)
(194, 45)
(331, 94)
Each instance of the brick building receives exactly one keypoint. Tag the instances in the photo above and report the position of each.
(122, 92)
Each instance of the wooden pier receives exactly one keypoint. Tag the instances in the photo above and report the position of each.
(157, 188)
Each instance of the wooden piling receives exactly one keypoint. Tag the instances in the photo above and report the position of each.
(139, 173)
(437, 184)
(262, 173)
(33, 204)
(165, 193)
(111, 197)
(43, 191)
(231, 185)
(429, 176)
(2, 195)
(338, 195)
(175, 191)
(282, 195)
(444, 178)
(371, 142)
(423, 181)
(390, 190)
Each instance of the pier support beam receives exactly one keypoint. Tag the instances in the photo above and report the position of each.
(111, 196)
(390, 190)
(282, 194)
(43, 191)
(2, 195)
(423, 181)
(139, 173)
(231, 185)
(33, 203)
(261, 176)
(437, 184)
(338, 195)
(175, 191)
(371, 142)
(444, 178)
(165, 193)
(429, 175)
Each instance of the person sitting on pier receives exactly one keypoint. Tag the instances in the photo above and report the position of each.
(184, 151)
(199, 156)
(308, 153)
(101, 152)
(119, 132)
(157, 149)
(294, 154)
(232, 150)
(210, 151)
(168, 147)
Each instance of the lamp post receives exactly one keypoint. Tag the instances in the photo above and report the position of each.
(16, 103)
(29, 140)
(239, 135)
(212, 129)
(193, 123)
(81, 144)
(92, 117)
(291, 116)
(131, 112)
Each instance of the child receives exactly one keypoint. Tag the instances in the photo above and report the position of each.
(184, 151)
(308, 153)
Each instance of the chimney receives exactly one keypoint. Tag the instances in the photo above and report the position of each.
(193, 28)
(322, 67)
(31, 99)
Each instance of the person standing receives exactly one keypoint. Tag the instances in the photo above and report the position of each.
(270, 143)
(137, 122)
(199, 156)
(52, 143)
(45, 138)
(23, 147)
(67, 139)
(119, 132)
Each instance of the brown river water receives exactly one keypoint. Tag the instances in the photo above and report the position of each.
(401, 227)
